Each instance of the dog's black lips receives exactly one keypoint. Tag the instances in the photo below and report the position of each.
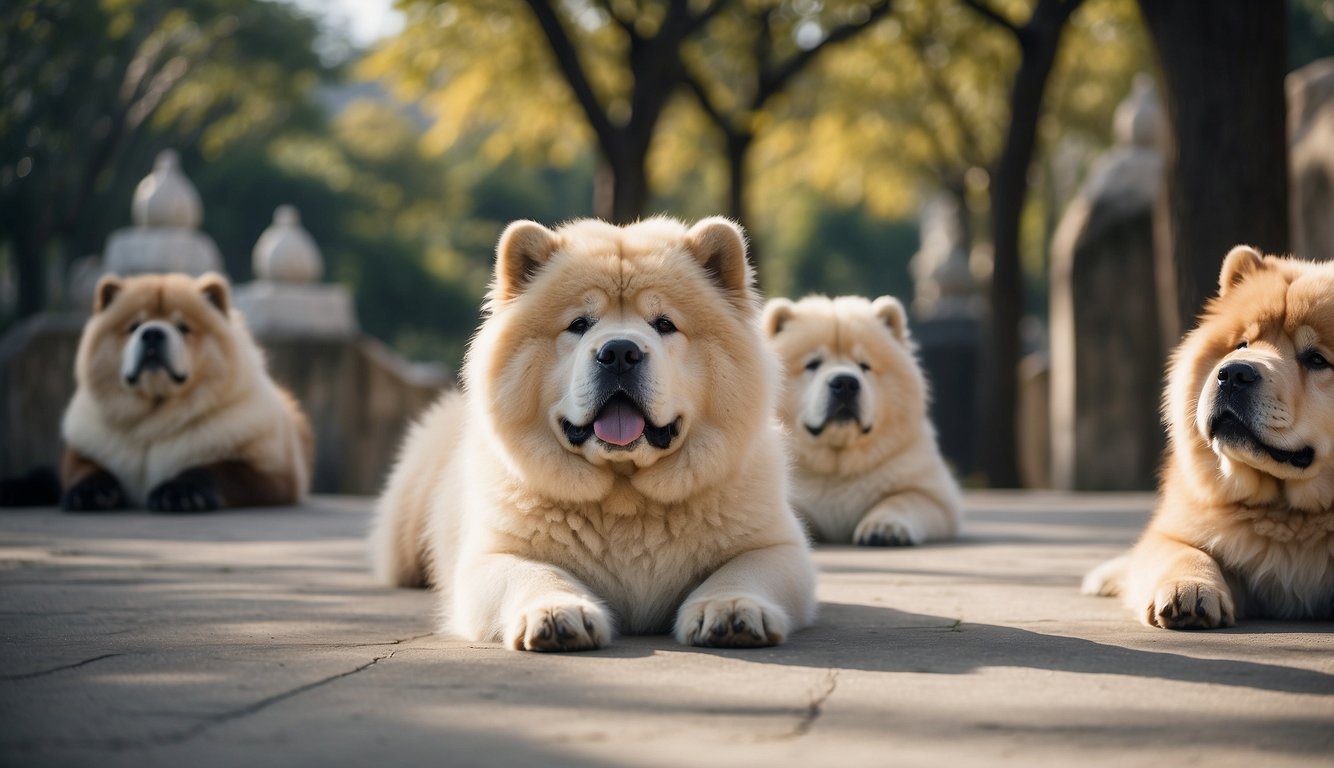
(660, 437)
(840, 413)
(146, 363)
(1228, 427)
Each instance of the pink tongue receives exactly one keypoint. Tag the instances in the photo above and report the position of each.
(619, 424)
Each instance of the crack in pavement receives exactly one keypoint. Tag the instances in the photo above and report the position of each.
(376, 645)
(816, 707)
(61, 668)
(264, 703)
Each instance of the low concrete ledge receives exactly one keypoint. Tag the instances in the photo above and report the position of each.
(257, 637)
(359, 395)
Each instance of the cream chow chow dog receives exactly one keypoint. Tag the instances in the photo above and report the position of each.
(1244, 526)
(867, 466)
(174, 409)
(611, 463)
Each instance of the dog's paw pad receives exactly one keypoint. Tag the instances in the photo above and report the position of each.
(97, 493)
(731, 623)
(575, 626)
(183, 496)
(886, 531)
(1191, 605)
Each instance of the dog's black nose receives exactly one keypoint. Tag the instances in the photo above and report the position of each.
(153, 336)
(620, 355)
(1237, 376)
(844, 386)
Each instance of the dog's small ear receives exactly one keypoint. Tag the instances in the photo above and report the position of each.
(216, 290)
(1240, 263)
(891, 312)
(720, 247)
(523, 248)
(105, 292)
(776, 313)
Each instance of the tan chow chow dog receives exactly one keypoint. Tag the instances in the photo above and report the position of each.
(867, 466)
(1244, 526)
(174, 409)
(611, 463)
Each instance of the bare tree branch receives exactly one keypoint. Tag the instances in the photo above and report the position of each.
(627, 25)
(774, 81)
(706, 102)
(994, 16)
(567, 58)
(704, 16)
(945, 95)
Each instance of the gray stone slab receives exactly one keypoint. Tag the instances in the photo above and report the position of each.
(257, 638)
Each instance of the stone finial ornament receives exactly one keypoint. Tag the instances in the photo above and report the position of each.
(165, 197)
(943, 280)
(285, 252)
(165, 236)
(1138, 120)
(287, 298)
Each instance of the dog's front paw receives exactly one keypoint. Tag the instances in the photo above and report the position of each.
(568, 625)
(888, 529)
(1190, 605)
(739, 622)
(98, 492)
(184, 494)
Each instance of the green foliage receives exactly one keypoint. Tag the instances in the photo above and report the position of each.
(91, 91)
(841, 251)
(1310, 31)
(407, 202)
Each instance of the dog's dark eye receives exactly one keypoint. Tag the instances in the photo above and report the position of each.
(1242, 345)
(134, 326)
(664, 326)
(183, 328)
(812, 365)
(1315, 361)
(580, 326)
(864, 367)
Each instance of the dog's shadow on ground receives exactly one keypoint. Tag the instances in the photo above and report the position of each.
(878, 639)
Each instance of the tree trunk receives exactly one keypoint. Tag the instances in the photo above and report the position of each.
(620, 187)
(1039, 40)
(738, 159)
(30, 266)
(1223, 64)
(629, 187)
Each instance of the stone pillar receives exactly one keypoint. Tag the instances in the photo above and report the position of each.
(947, 323)
(1311, 142)
(1107, 351)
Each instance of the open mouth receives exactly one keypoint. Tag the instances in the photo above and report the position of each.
(619, 424)
(152, 363)
(1229, 428)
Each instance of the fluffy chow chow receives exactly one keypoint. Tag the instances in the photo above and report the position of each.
(174, 410)
(611, 463)
(1244, 526)
(855, 406)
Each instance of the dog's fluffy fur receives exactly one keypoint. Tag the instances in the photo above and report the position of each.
(1244, 526)
(174, 409)
(539, 533)
(855, 407)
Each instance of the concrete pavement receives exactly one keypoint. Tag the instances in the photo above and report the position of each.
(257, 638)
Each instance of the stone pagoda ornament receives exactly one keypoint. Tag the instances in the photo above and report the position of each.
(944, 285)
(286, 297)
(165, 236)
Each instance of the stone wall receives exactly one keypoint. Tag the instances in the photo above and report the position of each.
(1311, 133)
(360, 399)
